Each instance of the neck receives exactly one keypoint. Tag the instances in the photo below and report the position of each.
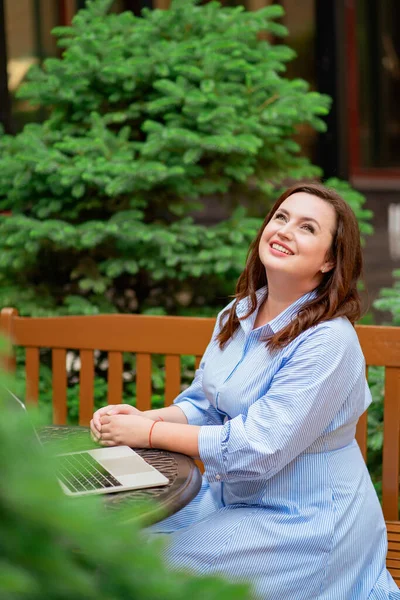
(280, 296)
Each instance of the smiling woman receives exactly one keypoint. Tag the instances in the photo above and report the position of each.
(308, 239)
(286, 502)
(309, 242)
(297, 245)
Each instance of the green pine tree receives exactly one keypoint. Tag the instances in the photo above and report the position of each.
(147, 117)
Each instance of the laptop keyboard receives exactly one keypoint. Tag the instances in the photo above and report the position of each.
(81, 472)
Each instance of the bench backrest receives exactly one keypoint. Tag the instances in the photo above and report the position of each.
(138, 334)
(381, 347)
(174, 337)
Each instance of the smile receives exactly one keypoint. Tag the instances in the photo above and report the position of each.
(280, 248)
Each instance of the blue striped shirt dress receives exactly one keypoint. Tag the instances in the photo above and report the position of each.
(286, 501)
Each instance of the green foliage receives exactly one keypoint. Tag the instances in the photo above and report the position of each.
(356, 202)
(389, 299)
(147, 117)
(59, 548)
(100, 381)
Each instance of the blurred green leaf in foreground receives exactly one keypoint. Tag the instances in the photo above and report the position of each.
(58, 548)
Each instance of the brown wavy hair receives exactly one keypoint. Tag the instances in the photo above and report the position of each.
(336, 295)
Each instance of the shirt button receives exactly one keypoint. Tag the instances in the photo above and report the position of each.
(218, 477)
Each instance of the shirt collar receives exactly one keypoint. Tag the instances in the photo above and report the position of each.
(279, 322)
(243, 306)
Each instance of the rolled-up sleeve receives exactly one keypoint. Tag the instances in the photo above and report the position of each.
(305, 395)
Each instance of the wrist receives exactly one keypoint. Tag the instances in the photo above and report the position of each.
(151, 429)
(152, 414)
(175, 437)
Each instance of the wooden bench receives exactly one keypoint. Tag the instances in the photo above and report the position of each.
(173, 337)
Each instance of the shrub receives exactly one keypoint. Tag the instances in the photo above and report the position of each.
(389, 299)
(148, 116)
(59, 548)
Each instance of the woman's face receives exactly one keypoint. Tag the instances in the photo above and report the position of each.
(297, 240)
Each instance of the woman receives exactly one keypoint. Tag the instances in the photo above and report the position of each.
(286, 500)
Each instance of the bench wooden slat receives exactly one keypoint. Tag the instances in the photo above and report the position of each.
(395, 564)
(59, 382)
(394, 568)
(114, 381)
(32, 375)
(172, 378)
(391, 436)
(394, 571)
(380, 345)
(197, 362)
(86, 387)
(143, 381)
(393, 526)
(393, 555)
(7, 321)
(121, 333)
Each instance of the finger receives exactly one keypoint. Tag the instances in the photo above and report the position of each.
(107, 443)
(95, 438)
(112, 411)
(94, 432)
(120, 409)
(96, 421)
(105, 420)
(115, 408)
(97, 416)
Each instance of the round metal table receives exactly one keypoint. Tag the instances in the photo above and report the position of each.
(181, 470)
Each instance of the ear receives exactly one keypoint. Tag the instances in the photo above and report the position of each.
(327, 266)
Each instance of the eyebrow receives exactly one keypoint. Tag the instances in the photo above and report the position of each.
(283, 210)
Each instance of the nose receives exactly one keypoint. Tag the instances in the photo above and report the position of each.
(285, 231)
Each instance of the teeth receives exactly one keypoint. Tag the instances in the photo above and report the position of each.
(281, 249)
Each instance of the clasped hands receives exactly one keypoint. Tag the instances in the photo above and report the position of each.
(121, 424)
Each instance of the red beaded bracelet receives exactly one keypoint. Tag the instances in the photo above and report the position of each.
(151, 429)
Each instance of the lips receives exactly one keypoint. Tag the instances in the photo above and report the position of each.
(279, 247)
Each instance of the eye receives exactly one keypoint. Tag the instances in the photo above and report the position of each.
(308, 227)
(280, 216)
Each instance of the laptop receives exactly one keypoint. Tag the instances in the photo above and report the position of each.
(101, 470)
